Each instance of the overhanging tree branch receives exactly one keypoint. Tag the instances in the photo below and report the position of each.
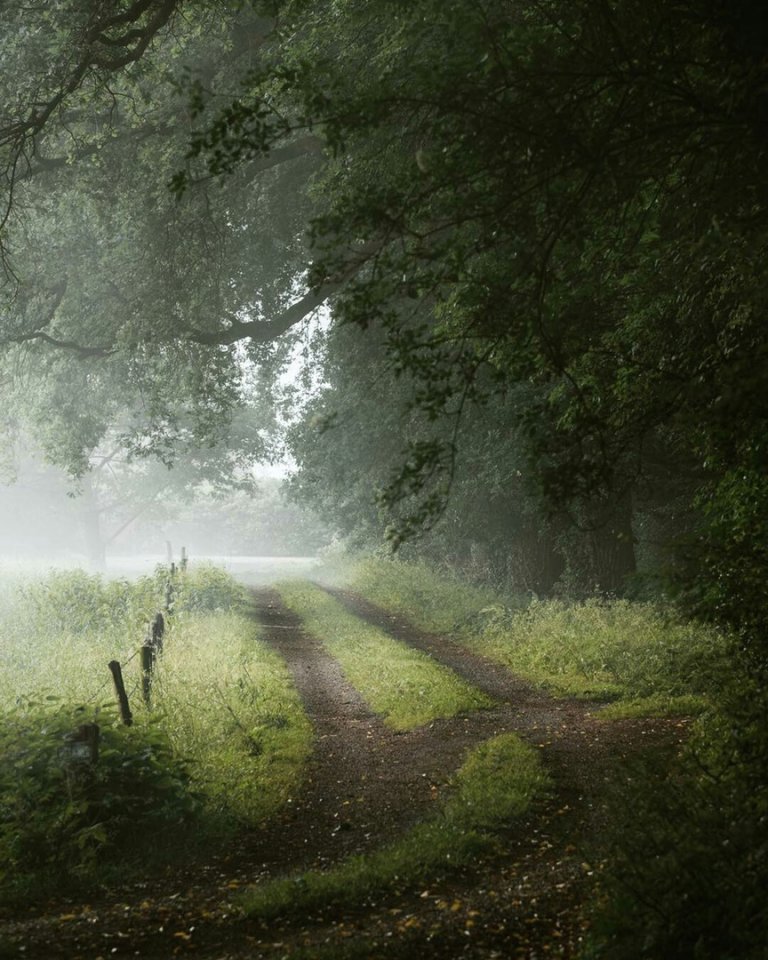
(78, 348)
(17, 134)
(265, 331)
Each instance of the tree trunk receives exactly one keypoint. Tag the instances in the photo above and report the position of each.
(90, 521)
(536, 562)
(612, 544)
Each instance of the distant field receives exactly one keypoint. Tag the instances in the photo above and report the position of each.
(249, 570)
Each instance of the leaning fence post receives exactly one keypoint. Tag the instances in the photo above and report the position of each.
(122, 696)
(147, 666)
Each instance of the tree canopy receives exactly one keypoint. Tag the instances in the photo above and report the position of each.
(551, 210)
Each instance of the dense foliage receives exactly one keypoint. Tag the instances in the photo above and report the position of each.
(539, 230)
(64, 820)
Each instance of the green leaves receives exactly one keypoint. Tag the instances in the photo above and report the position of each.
(58, 821)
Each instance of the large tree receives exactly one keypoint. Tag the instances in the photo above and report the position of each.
(171, 304)
(562, 196)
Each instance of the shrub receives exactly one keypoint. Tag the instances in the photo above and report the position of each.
(688, 846)
(206, 588)
(67, 819)
(74, 602)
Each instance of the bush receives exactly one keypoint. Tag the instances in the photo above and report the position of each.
(66, 819)
(74, 602)
(208, 589)
(688, 847)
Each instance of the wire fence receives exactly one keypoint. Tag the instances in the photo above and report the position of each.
(148, 650)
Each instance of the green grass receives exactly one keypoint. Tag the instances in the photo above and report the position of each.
(230, 706)
(606, 650)
(226, 701)
(225, 742)
(495, 786)
(431, 599)
(686, 705)
(405, 686)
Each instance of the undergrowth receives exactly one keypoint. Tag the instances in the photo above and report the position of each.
(67, 822)
(686, 845)
(598, 649)
(224, 742)
(407, 687)
(494, 787)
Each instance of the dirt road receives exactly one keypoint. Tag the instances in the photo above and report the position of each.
(366, 785)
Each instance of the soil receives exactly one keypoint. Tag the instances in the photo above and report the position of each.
(366, 785)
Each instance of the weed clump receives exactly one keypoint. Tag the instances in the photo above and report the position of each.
(67, 821)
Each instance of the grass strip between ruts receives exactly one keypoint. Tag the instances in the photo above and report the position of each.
(407, 687)
(496, 784)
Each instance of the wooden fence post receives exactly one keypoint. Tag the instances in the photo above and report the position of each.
(82, 745)
(147, 666)
(184, 559)
(157, 631)
(122, 696)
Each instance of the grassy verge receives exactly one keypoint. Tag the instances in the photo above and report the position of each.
(225, 740)
(497, 784)
(229, 705)
(431, 599)
(609, 650)
(407, 687)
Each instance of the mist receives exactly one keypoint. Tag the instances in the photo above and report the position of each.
(125, 521)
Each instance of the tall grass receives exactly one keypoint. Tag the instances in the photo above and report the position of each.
(228, 704)
(407, 687)
(57, 633)
(604, 649)
(226, 733)
(431, 599)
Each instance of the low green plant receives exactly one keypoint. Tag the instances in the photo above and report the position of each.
(685, 705)
(597, 649)
(206, 588)
(432, 599)
(407, 687)
(603, 649)
(229, 704)
(65, 820)
(686, 844)
(495, 786)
